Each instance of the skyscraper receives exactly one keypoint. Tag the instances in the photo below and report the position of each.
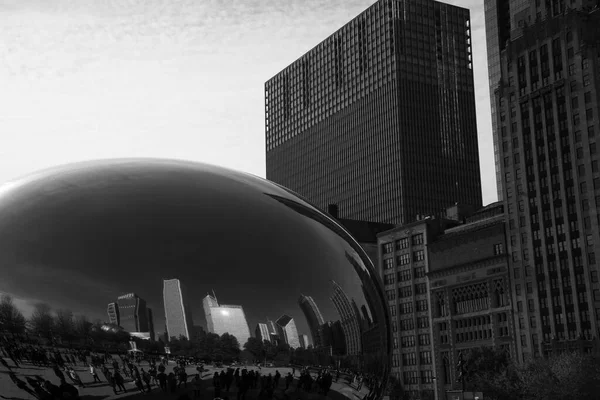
(262, 332)
(113, 313)
(177, 313)
(151, 324)
(304, 342)
(286, 327)
(314, 318)
(273, 332)
(547, 115)
(348, 318)
(379, 118)
(133, 315)
(221, 318)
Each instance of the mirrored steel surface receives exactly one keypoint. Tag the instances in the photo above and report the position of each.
(205, 249)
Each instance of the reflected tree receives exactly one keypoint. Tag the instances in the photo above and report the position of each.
(41, 322)
(11, 319)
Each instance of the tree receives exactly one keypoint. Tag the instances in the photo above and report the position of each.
(394, 388)
(566, 376)
(64, 325)
(41, 321)
(491, 371)
(11, 319)
(82, 327)
(255, 346)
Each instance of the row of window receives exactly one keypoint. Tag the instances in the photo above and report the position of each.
(404, 275)
(406, 291)
(402, 243)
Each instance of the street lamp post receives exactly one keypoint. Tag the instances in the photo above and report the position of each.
(435, 388)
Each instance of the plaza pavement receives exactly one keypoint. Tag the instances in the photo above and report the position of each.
(101, 391)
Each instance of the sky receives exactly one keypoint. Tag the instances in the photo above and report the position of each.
(180, 79)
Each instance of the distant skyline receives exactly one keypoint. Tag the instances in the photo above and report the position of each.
(95, 79)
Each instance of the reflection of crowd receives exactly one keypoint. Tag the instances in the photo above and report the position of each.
(68, 380)
(117, 370)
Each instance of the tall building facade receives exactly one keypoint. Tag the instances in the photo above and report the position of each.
(379, 118)
(469, 289)
(548, 118)
(113, 313)
(133, 314)
(223, 318)
(177, 312)
(349, 318)
(403, 267)
(506, 19)
(287, 331)
(304, 342)
(151, 324)
(262, 332)
(314, 318)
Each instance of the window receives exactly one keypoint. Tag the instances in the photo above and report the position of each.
(388, 263)
(404, 275)
(391, 294)
(424, 340)
(417, 239)
(425, 357)
(405, 291)
(404, 259)
(388, 248)
(422, 305)
(388, 279)
(420, 288)
(423, 322)
(419, 255)
(402, 244)
(392, 310)
(420, 272)
(498, 249)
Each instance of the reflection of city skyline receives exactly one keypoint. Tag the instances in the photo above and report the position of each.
(343, 334)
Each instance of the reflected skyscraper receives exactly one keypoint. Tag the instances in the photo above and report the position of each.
(177, 313)
(348, 319)
(133, 315)
(314, 318)
(273, 332)
(262, 332)
(113, 313)
(286, 327)
(151, 323)
(304, 342)
(223, 318)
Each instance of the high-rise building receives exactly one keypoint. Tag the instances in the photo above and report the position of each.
(177, 312)
(273, 332)
(304, 342)
(349, 319)
(469, 292)
(506, 19)
(113, 313)
(221, 318)
(151, 324)
(547, 113)
(404, 265)
(314, 318)
(287, 331)
(133, 314)
(262, 332)
(379, 118)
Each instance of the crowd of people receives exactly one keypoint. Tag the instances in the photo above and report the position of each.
(116, 370)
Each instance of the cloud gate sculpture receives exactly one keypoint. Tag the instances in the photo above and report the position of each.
(202, 262)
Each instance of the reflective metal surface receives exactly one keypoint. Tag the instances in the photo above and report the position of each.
(159, 245)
